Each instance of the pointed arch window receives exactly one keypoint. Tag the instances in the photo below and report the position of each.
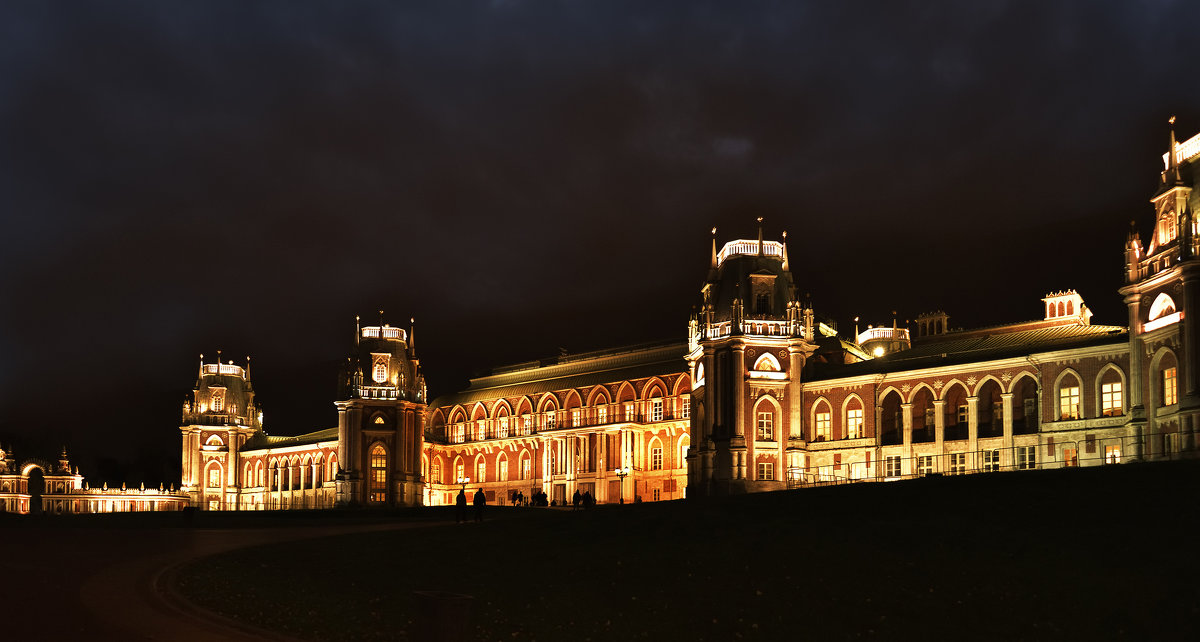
(502, 468)
(526, 465)
(379, 368)
(765, 422)
(480, 469)
(378, 459)
(217, 401)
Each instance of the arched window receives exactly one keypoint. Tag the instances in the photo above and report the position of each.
(1162, 306)
(214, 440)
(480, 469)
(684, 443)
(460, 470)
(822, 421)
(526, 465)
(378, 490)
(214, 475)
(1112, 392)
(258, 474)
(764, 422)
(767, 363)
(699, 378)
(435, 472)
(1070, 308)
(656, 454)
(216, 401)
(379, 372)
(502, 467)
(1068, 397)
(854, 418)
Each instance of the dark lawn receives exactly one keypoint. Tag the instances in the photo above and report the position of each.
(1108, 553)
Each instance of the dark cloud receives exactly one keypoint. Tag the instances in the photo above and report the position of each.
(522, 176)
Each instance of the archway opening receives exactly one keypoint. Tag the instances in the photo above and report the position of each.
(37, 486)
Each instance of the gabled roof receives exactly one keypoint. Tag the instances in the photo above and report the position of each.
(262, 441)
(576, 371)
(977, 345)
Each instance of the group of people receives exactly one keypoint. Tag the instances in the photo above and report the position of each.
(460, 505)
(586, 500)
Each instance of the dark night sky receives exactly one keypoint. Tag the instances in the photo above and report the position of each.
(181, 177)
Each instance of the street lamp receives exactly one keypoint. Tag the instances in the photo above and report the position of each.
(462, 482)
(622, 473)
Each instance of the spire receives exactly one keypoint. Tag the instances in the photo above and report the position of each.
(247, 367)
(713, 265)
(785, 256)
(1172, 171)
(381, 319)
(200, 372)
(412, 333)
(760, 238)
(357, 329)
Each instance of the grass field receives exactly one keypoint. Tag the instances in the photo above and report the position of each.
(1099, 553)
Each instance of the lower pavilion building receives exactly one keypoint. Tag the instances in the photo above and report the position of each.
(758, 396)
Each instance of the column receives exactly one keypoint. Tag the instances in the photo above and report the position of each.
(939, 429)
(906, 467)
(1006, 452)
(737, 370)
(973, 432)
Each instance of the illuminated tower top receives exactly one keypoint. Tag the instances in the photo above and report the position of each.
(384, 364)
(223, 396)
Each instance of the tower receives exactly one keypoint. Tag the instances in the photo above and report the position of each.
(747, 347)
(1162, 288)
(381, 414)
(220, 416)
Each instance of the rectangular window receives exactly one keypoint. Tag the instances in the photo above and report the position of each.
(924, 465)
(766, 471)
(1112, 454)
(656, 410)
(958, 463)
(525, 464)
(891, 466)
(1111, 402)
(1068, 402)
(766, 425)
(629, 411)
(214, 477)
(575, 417)
(436, 474)
(656, 461)
(1168, 387)
(991, 461)
(602, 414)
(962, 414)
(503, 427)
(503, 473)
(685, 406)
(551, 420)
(459, 472)
(481, 430)
(854, 423)
(526, 423)
(823, 422)
(1026, 457)
(1070, 457)
(481, 471)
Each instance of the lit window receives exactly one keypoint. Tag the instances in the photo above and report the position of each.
(958, 463)
(379, 373)
(1068, 402)
(766, 425)
(823, 423)
(991, 461)
(378, 490)
(601, 414)
(459, 471)
(685, 406)
(379, 420)
(214, 477)
(1070, 457)
(1027, 457)
(656, 461)
(503, 427)
(1110, 399)
(854, 423)
(766, 471)
(629, 411)
(502, 472)
(575, 417)
(526, 423)
(526, 463)
(924, 465)
(551, 418)
(891, 466)
(217, 403)
(481, 471)
(656, 410)
(1112, 454)
(1168, 387)
(480, 429)
(436, 475)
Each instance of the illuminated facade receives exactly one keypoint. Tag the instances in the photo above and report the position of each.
(761, 396)
(39, 486)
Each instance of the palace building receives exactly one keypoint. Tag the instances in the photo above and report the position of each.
(39, 486)
(758, 395)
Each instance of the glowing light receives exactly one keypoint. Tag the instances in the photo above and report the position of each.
(878, 351)
(1162, 322)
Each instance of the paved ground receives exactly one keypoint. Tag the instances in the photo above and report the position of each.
(107, 582)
